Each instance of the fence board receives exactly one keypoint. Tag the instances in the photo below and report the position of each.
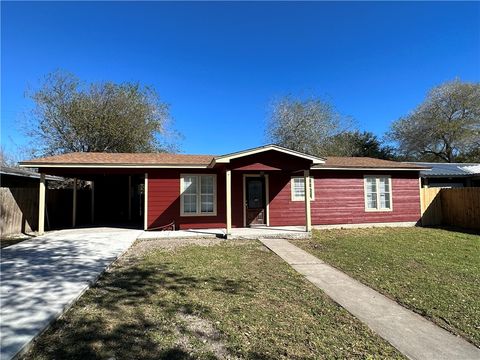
(454, 207)
(431, 206)
(461, 207)
(19, 210)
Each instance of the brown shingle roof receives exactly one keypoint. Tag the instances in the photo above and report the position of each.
(166, 159)
(93, 158)
(363, 162)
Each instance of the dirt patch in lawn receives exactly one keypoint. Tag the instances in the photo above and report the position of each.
(205, 332)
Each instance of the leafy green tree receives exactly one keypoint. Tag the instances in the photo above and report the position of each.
(445, 127)
(356, 143)
(71, 116)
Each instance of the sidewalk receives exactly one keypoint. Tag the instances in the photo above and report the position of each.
(410, 333)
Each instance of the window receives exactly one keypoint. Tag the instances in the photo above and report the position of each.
(378, 193)
(198, 195)
(298, 188)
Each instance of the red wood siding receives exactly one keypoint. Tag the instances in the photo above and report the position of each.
(339, 199)
(164, 201)
(272, 159)
(283, 211)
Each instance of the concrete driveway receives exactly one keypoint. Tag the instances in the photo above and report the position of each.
(43, 276)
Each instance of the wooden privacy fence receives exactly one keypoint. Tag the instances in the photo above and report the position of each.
(453, 207)
(19, 209)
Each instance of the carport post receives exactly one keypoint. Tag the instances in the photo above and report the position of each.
(92, 203)
(41, 205)
(308, 214)
(74, 208)
(129, 197)
(228, 178)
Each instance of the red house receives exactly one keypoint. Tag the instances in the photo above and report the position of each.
(264, 186)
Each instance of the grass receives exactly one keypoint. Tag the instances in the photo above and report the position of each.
(228, 300)
(434, 272)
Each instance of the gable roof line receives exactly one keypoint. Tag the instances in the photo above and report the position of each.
(225, 159)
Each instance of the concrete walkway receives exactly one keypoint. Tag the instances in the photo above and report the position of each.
(410, 333)
(43, 276)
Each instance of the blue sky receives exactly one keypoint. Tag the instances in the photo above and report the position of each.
(219, 65)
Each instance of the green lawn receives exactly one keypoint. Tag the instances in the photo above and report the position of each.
(226, 300)
(432, 271)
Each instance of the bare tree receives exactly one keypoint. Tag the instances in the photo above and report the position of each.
(5, 159)
(446, 126)
(305, 125)
(9, 158)
(105, 117)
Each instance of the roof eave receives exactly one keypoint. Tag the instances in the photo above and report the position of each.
(32, 176)
(447, 175)
(225, 159)
(360, 168)
(112, 166)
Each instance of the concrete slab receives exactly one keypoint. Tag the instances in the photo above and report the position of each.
(182, 234)
(410, 333)
(285, 232)
(43, 276)
(289, 232)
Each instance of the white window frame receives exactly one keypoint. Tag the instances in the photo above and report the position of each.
(377, 185)
(302, 198)
(199, 197)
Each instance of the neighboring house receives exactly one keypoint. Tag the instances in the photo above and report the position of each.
(450, 175)
(19, 200)
(264, 186)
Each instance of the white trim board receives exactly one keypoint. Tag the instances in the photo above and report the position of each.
(225, 159)
(377, 181)
(293, 197)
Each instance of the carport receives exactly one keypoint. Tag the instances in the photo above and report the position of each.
(101, 195)
(116, 184)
